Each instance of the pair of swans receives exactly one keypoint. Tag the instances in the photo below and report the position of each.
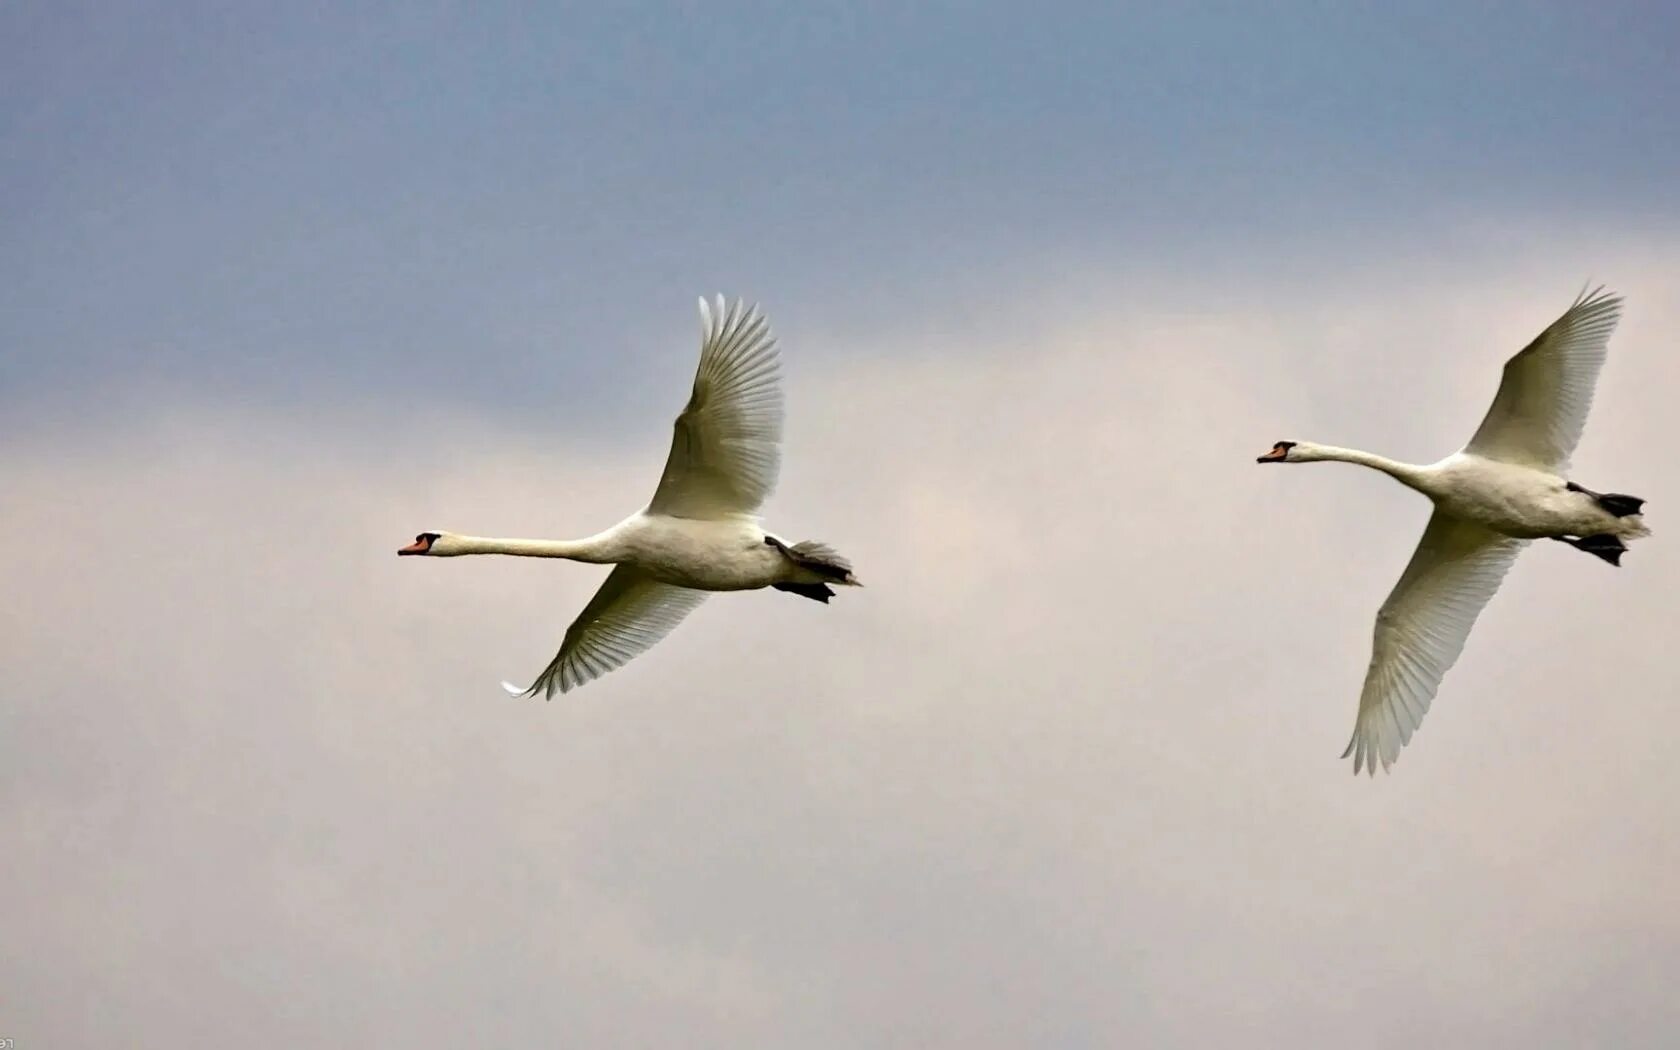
(700, 533)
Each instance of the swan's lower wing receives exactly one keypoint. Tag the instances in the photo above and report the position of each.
(1537, 417)
(629, 614)
(1421, 629)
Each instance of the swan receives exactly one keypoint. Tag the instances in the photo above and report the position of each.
(1506, 487)
(699, 533)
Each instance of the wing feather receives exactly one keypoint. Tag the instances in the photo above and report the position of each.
(629, 615)
(1421, 630)
(725, 446)
(1537, 417)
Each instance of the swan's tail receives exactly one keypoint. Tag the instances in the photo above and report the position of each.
(819, 559)
(1633, 527)
(825, 561)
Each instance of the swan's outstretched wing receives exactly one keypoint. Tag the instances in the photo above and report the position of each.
(628, 615)
(1542, 404)
(1421, 629)
(724, 452)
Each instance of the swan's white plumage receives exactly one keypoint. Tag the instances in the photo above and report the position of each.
(629, 614)
(1537, 417)
(700, 532)
(1506, 487)
(1421, 629)
(724, 448)
(723, 461)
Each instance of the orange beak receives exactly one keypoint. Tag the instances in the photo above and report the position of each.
(419, 546)
(1275, 455)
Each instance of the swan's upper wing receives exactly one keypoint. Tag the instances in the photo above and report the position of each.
(1537, 416)
(724, 452)
(630, 613)
(1421, 629)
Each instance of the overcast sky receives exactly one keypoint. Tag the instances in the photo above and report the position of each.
(280, 287)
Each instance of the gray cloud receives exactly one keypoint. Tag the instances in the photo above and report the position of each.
(284, 205)
(1063, 774)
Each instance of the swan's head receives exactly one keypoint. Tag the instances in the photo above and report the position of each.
(1282, 452)
(435, 544)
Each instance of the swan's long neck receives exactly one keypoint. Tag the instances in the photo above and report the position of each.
(1405, 473)
(596, 548)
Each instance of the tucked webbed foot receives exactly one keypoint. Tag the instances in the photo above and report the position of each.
(817, 592)
(1616, 503)
(1605, 546)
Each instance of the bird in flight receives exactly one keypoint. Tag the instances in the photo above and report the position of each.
(1508, 486)
(700, 532)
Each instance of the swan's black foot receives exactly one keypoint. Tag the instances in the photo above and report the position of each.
(817, 592)
(1613, 502)
(1619, 505)
(1604, 545)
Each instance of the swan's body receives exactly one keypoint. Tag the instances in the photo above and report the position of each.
(731, 554)
(1506, 487)
(700, 532)
(1515, 500)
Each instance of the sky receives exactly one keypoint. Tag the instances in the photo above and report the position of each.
(280, 287)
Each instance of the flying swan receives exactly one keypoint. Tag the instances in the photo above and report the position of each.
(700, 533)
(1506, 487)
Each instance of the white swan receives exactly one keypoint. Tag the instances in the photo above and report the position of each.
(700, 533)
(1505, 488)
